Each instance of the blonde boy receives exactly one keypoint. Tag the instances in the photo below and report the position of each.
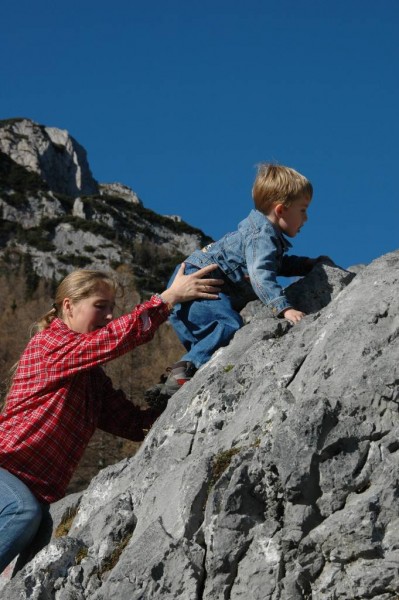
(249, 261)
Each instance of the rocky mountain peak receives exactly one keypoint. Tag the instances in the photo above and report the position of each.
(51, 153)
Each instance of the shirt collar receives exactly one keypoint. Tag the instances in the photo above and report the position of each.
(284, 242)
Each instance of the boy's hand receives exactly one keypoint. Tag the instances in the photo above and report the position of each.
(190, 287)
(293, 316)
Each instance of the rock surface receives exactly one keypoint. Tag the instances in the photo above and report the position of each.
(273, 474)
(120, 190)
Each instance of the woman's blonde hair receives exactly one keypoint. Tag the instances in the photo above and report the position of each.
(276, 184)
(76, 286)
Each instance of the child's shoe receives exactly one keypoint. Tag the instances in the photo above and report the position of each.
(175, 376)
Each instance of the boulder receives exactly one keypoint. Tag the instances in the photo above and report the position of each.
(273, 474)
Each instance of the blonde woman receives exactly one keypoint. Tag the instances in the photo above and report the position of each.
(60, 394)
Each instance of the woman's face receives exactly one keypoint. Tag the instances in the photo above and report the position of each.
(92, 313)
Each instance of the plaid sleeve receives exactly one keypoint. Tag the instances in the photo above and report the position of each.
(62, 352)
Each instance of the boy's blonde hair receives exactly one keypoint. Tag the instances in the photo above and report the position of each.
(276, 184)
(76, 286)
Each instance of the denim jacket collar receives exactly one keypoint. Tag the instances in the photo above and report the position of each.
(260, 217)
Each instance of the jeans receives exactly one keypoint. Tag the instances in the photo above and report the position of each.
(203, 326)
(20, 516)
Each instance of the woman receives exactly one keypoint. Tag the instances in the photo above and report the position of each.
(60, 394)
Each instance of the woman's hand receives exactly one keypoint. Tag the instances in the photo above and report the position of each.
(191, 287)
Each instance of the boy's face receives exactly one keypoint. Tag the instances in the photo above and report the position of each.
(291, 218)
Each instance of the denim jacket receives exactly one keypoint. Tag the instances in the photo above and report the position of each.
(252, 257)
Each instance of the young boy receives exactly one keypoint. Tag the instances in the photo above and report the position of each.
(249, 261)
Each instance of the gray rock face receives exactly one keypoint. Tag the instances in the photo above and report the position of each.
(51, 153)
(273, 474)
(54, 212)
(120, 191)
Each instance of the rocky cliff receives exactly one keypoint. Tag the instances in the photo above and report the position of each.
(57, 215)
(50, 153)
(273, 474)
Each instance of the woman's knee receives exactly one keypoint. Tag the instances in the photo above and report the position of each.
(25, 516)
(34, 515)
(20, 518)
(21, 512)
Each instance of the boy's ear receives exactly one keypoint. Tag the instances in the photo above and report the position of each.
(278, 210)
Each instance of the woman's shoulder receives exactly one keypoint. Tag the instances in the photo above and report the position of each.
(56, 333)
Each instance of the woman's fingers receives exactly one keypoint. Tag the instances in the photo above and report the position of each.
(190, 287)
(209, 287)
(180, 272)
(205, 270)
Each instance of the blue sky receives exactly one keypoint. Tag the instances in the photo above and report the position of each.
(180, 100)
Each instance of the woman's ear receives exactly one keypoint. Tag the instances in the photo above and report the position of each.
(67, 307)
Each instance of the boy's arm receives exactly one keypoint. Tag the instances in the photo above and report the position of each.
(301, 265)
(263, 268)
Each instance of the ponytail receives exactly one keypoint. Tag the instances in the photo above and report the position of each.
(45, 320)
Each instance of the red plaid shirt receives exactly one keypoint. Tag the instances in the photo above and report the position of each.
(60, 395)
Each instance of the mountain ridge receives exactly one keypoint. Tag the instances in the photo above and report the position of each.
(79, 223)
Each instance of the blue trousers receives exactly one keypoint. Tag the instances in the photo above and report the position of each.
(203, 326)
(20, 516)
